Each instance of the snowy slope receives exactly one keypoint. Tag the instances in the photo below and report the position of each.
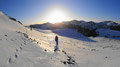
(18, 47)
(100, 52)
(22, 47)
(108, 33)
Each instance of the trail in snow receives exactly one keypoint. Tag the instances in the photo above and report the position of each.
(22, 47)
(102, 53)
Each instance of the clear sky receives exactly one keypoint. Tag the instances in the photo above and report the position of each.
(25, 10)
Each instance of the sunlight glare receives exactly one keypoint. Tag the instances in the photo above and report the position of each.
(57, 16)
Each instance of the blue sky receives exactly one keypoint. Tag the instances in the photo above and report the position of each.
(92, 9)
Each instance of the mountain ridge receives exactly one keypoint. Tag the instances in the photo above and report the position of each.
(86, 28)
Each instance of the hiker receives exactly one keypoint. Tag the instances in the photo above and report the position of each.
(56, 47)
(31, 28)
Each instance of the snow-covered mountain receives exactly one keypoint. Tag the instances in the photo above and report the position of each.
(22, 47)
(86, 28)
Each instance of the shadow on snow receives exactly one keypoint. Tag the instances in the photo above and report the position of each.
(72, 34)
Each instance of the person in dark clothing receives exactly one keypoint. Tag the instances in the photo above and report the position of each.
(56, 47)
(30, 28)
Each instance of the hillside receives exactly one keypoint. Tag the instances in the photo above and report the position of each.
(22, 47)
(89, 29)
(19, 48)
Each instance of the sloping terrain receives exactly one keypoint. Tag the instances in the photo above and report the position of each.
(86, 28)
(22, 47)
(18, 47)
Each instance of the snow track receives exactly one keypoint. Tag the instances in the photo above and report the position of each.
(22, 47)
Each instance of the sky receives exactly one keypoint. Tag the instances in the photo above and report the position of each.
(32, 11)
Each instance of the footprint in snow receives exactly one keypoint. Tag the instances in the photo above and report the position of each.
(64, 52)
(12, 40)
(10, 60)
(5, 35)
(16, 50)
(69, 61)
(83, 48)
(45, 50)
(20, 48)
(16, 56)
(94, 50)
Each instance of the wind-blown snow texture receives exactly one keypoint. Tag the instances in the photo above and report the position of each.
(22, 47)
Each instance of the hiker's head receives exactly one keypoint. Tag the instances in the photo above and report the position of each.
(56, 36)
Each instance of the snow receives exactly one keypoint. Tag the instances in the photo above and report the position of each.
(71, 33)
(16, 50)
(108, 33)
(22, 47)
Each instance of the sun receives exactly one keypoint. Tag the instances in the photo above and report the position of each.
(57, 16)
